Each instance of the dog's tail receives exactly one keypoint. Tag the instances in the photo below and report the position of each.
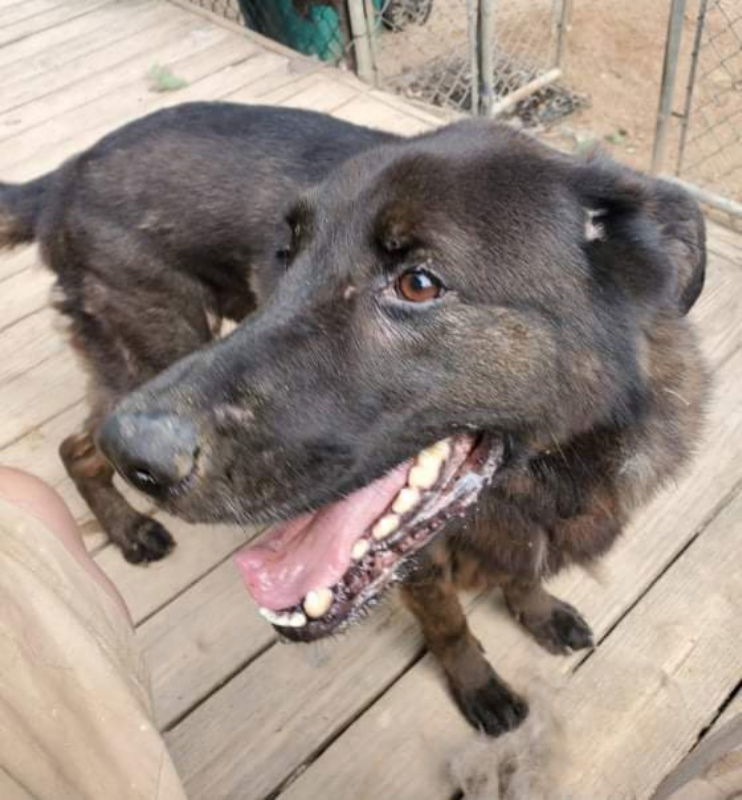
(20, 208)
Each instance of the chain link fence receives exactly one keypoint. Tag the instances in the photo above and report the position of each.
(495, 57)
(699, 131)
(472, 55)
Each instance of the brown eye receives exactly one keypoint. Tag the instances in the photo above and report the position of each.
(418, 286)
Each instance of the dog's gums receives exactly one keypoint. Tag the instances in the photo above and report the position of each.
(313, 574)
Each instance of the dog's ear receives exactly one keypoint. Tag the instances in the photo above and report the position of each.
(643, 234)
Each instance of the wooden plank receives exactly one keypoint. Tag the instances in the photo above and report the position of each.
(734, 709)
(147, 588)
(48, 91)
(158, 47)
(211, 74)
(39, 394)
(29, 342)
(50, 18)
(725, 241)
(320, 93)
(433, 115)
(6, 4)
(415, 722)
(283, 705)
(14, 261)
(18, 12)
(23, 293)
(367, 110)
(107, 26)
(315, 91)
(37, 451)
(191, 59)
(705, 751)
(663, 672)
(187, 643)
(81, 32)
(718, 312)
(289, 73)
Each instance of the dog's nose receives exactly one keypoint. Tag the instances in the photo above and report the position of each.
(154, 451)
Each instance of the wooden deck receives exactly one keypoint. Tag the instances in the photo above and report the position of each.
(365, 716)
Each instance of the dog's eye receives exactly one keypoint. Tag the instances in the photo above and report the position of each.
(418, 286)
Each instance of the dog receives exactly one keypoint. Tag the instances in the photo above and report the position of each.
(462, 358)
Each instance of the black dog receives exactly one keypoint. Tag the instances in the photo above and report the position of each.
(463, 331)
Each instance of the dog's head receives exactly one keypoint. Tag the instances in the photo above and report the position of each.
(438, 308)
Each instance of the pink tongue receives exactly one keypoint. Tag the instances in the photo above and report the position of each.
(313, 550)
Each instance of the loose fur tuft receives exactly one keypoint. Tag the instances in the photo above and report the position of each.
(521, 765)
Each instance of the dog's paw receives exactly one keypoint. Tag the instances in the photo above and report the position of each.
(146, 540)
(562, 631)
(492, 708)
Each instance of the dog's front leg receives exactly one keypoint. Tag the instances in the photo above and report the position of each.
(140, 538)
(484, 699)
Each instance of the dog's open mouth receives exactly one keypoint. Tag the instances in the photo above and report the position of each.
(316, 572)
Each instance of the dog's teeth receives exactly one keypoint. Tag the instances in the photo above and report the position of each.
(386, 525)
(425, 472)
(406, 500)
(428, 465)
(287, 619)
(360, 548)
(441, 449)
(270, 615)
(317, 602)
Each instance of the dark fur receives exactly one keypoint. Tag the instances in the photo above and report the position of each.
(573, 348)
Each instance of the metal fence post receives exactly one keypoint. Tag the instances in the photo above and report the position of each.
(472, 18)
(691, 84)
(669, 71)
(565, 11)
(373, 21)
(361, 45)
(486, 59)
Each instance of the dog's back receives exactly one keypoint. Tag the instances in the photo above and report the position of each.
(153, 231)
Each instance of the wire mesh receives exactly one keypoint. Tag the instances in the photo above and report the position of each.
(427, 50)
(229, 9)
(710, 149)
(423, 50)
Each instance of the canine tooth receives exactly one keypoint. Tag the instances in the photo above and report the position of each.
(424, 474)
(442, 449)
(360, 548)
(288, 619)
(406, 500)
(386, 525)
(317, 602)
(439, 451)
